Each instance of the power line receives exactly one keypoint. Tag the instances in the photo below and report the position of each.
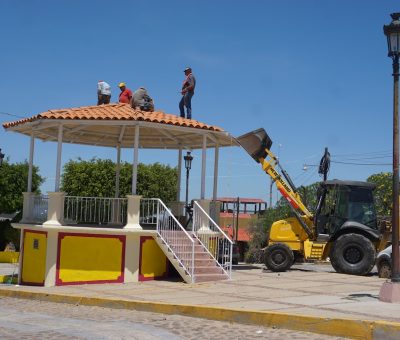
(362, 154)
(311, 174)
(361, 158)
(11, 114)
(353, 163)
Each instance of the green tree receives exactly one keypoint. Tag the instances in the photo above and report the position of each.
(383, 192)
(13, 182)
(308, 196)
(96, 178)
(93, 178)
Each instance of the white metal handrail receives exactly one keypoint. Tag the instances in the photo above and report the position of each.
(175, 237)
(213, 238)
(40, 207)
(97, 210)
(148, 211)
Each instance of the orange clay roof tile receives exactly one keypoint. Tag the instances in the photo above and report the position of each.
(114, 112)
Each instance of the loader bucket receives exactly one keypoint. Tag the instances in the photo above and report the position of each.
(255, 143)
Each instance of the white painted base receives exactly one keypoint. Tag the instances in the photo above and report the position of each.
(52, 223)
(133, 226)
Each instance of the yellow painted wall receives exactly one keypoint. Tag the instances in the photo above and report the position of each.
(34, 257)
(90, 258)
(153, 260)
(9, 256)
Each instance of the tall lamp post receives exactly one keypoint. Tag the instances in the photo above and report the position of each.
(391, 292)
(392, 32)
(188, 164)
(1, 157)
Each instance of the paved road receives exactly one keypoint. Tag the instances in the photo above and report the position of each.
(27, 319)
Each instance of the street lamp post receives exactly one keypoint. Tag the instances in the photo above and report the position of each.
(188, 164)
(390, 291)
(392, 32)
(1, 157)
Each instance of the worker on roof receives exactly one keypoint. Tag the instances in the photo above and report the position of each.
(187, 93)
(142, 101)
(103, 92)
(126, 94)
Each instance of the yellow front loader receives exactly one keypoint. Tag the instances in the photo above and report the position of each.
(344, 227)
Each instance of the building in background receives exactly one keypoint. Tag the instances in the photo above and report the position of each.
(237, 214)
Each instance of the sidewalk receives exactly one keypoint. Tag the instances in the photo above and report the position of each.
(309, 297)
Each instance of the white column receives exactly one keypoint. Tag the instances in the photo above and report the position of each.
(27, 207)
(178, 189)
(30, 171)
(55, 211)
(133, 212)
(117, 170)
(58, 166)
(51, 258)
(135, 160)
(203, 168)
(216, 156)
(132, 257)
(204, 222)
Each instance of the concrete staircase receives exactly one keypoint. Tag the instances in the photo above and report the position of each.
(180, 251)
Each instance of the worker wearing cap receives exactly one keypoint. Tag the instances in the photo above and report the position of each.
(126, 95)
(103, 92)
(187, 93)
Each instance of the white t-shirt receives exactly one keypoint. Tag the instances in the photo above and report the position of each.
(103, 88)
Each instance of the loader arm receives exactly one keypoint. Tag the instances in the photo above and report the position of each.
(285, 188)
(258, 145)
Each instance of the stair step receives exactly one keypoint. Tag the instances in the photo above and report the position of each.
(208, 270)
(181, 241)
(205, 267)
(210, 277)
(197, 255)
(204, 262)
(186, 246)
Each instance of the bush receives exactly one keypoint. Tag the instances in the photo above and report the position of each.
(8, 234)
(254, 255)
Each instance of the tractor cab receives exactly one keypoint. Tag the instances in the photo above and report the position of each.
(345, 204)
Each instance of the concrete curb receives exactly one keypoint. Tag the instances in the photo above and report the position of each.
(356, 329)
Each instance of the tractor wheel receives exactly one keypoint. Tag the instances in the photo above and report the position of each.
(278, 257)
(353, 254)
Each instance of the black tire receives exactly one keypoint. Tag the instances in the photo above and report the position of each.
(353, 254)
(298, 257)
(384, 270)
(278, 257)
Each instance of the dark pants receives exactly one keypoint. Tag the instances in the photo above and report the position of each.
(103, 99)
(186, 101)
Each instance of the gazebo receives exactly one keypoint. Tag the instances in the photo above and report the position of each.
(60, 222)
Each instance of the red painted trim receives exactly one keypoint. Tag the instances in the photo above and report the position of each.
(143, 239)
(22, 282)
(120, 278)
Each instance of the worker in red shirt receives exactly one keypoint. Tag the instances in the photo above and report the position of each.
(126, 95)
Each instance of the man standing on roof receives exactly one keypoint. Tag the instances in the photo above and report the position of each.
(126, 95)
(187, 93)
(103, 93)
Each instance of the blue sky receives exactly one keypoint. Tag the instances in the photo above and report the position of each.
(313, 73)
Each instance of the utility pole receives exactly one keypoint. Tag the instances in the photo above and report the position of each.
(324, 164)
